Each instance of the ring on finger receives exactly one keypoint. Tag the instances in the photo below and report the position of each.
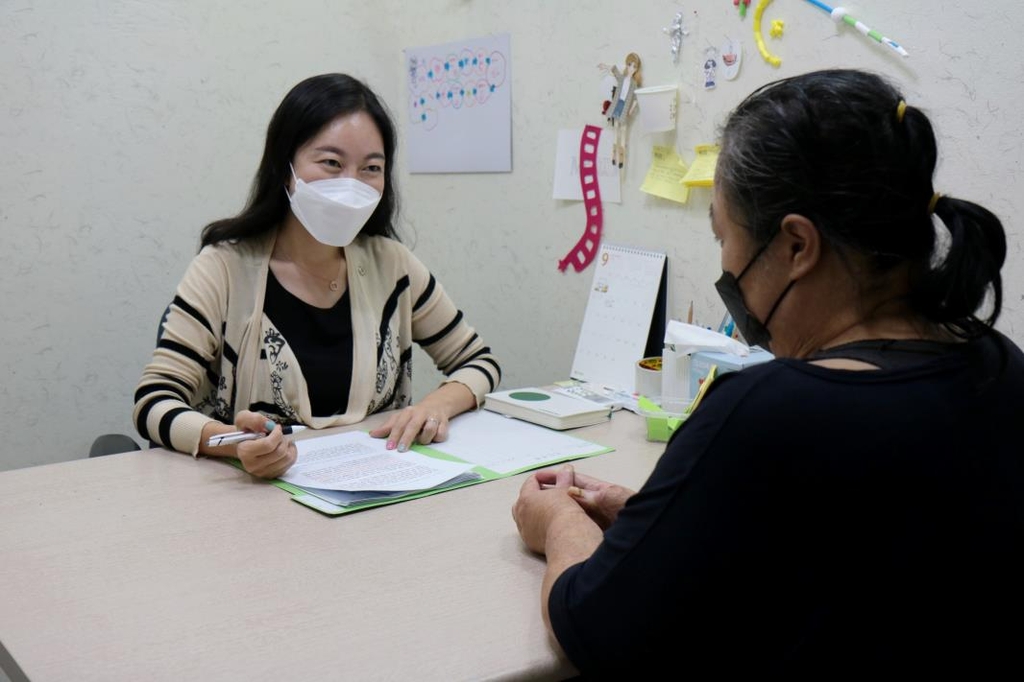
(433, 420)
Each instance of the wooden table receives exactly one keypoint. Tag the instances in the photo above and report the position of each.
(152, 565)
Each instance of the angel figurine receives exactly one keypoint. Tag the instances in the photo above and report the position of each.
(622, 104)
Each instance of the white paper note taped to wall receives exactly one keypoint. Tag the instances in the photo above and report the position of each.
(567, 168)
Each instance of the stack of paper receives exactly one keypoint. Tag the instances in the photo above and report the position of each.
(350, 471)
(353, 467)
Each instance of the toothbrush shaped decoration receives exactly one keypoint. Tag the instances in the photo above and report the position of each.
(841, 14)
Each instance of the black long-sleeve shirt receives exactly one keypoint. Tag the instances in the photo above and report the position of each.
(813, 522)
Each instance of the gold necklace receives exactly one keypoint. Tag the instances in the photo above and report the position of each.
(332, 284)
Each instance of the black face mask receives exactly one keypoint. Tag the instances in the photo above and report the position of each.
(754, 332)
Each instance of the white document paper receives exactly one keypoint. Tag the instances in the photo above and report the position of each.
(345, 498)
(567, 167)
(504, 445)
(356, 461)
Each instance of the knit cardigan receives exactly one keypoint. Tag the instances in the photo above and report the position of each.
(218, 353)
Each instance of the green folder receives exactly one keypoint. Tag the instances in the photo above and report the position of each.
(311, 500)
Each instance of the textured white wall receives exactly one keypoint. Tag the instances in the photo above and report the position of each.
(126, 126)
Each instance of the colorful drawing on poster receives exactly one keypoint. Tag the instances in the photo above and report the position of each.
(464, 80)
(460, 106)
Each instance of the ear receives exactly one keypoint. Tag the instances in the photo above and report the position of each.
(802, 245)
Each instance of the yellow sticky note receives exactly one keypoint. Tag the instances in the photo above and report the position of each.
(702, 172)
(665, 176)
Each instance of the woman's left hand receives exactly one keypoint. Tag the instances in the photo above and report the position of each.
(418, 423)
(426, 421)
(539, 506)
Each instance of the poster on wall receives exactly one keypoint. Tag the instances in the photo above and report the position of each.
(460, 106)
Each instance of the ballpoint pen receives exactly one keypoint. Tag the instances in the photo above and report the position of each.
(240, 436)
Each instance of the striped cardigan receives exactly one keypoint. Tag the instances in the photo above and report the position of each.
(219, 354)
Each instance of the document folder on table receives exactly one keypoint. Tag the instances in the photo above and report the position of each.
(481, 446)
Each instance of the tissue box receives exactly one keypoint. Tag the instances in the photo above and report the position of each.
(701, 361)
(675, 375)
(682, 340)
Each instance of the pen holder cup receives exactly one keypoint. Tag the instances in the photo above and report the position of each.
(657, 108)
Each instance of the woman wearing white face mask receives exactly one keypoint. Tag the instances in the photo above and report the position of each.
(303, 308)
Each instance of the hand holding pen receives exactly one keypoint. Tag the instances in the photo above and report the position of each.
(259, 444)
(242, 436)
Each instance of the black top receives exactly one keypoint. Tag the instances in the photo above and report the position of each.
(813, 522)
(321, 339)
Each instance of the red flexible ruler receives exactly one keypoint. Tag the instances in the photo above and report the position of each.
(586, 248)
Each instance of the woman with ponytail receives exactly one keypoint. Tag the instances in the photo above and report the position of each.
(856, 505)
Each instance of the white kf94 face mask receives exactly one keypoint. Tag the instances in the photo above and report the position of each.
(333, 210)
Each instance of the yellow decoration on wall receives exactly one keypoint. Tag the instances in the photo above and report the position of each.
(758, 38)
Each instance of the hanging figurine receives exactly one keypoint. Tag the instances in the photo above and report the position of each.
(732, 54)
(710, 66)
(622, 103)
(676, 31)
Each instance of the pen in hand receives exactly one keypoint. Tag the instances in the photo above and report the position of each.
(240, 436)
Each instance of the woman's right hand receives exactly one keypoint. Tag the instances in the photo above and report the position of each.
(601, 500)
(266, 457)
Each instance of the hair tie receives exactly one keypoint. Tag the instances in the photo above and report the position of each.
(901, 109)
(933, 202)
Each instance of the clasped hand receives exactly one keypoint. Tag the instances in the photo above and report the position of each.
(551, 492)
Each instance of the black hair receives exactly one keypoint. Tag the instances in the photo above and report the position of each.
(837, 147)
(304, 111)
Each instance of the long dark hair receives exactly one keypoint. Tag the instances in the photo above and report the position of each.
(839, 148)
(305, 110)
